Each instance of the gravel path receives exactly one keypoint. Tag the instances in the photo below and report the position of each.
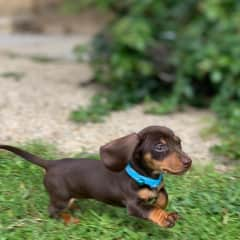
(37, 105)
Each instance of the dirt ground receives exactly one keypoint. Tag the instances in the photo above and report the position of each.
(38, 96)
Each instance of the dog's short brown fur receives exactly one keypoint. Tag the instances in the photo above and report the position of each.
(151, 151)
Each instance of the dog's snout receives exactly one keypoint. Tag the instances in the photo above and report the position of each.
(187, 161)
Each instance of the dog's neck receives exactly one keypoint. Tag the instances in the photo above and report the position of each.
(140, 167)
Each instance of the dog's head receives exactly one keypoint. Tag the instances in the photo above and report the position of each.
(156, 148)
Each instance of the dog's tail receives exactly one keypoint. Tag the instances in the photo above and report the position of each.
(28, 156)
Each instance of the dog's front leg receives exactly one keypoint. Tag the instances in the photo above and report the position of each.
(162, 199)
(157, 215)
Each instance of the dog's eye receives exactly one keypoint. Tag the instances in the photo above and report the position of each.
(160, 147)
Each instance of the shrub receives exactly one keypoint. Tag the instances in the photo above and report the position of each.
(176, 52)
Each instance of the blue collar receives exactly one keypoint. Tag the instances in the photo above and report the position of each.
(142, 180)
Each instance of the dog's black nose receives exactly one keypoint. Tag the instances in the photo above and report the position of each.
(187, 161)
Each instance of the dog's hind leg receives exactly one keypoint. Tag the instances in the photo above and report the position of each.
(59, 199)
(72, 205)
(58, 209)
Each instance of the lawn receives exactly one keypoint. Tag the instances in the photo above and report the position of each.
(208, 202)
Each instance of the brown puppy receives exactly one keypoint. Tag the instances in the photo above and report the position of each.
(150, 152)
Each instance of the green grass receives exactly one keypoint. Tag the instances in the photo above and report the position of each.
(44, 59)
(38, 58)
(209, 203)
(15, 75)
(96, 112)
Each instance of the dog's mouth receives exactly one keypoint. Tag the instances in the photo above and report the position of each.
(176, 171)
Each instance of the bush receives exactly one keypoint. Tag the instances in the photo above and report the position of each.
(177, 52)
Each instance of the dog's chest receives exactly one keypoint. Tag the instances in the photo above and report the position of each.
(148, 194)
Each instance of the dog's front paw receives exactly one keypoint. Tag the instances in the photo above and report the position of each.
(162, 218)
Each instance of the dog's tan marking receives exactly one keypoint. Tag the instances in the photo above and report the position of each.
(162, 201)
(148, 158)
(163, 141)
(68, 218)
(71, 204)
(151, 162)
(146, 194)
(157, 216)
(163, 218)
(171, 163)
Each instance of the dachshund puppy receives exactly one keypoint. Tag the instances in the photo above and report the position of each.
(129, 174)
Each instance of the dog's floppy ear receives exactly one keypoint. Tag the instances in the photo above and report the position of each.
(117, 153)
